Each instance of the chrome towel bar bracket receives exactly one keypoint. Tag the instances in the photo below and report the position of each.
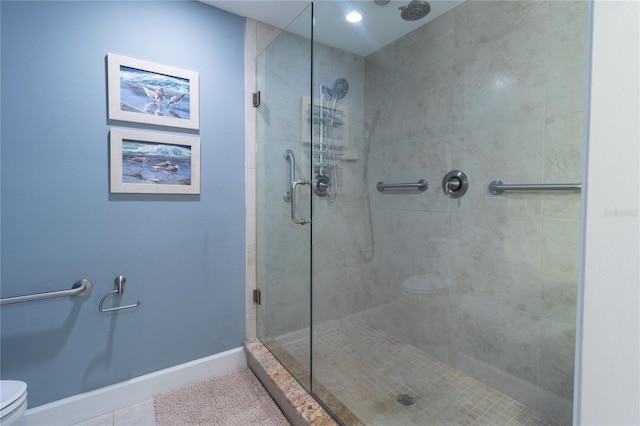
(120, 280)
(497, 187)
(80, 288)
(421, 185)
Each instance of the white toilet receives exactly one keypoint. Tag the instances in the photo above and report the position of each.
(13, 401)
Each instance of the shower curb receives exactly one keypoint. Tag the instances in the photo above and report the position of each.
(295, 402)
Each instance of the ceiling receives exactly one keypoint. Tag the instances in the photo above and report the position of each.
(380, 24)
(278, 13)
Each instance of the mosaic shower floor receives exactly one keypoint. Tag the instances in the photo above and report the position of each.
(385, 381)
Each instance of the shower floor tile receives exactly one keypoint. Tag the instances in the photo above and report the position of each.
(385, 381)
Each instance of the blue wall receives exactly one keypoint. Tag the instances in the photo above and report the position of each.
(183, 255)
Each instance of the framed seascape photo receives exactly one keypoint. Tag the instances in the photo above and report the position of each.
(154, 163)
(144, 92)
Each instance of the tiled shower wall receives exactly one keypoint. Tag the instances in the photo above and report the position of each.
(494, 89)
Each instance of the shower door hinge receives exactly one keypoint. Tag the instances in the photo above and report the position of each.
(257, 296)
(256, 99)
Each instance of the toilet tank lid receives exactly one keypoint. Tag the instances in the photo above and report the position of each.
(10, 391)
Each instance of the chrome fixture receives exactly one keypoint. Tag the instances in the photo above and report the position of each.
(290, 196)
(421, 185)
(339, 89)
(321, 185)
(415, 10)
(326, 164)
(294, 219)
(80, 288)
(120, 280)
(497, 187)
(455, 184)
(288, 155)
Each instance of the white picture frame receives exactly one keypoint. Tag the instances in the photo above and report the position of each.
(150, 93)
(154, 163)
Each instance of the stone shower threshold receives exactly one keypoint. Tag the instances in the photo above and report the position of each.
(298, 406)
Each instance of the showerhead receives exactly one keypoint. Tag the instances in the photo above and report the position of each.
(415, 10)
(339, 88)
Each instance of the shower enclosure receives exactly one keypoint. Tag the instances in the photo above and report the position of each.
(396, 285)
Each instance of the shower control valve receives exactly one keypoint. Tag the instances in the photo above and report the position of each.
(321, 185)
(455, 184)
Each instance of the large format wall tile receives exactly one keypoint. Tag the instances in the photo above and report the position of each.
(287, 301)
(497, 335)
(479, 23)
(556, 366)
(339, 238)
(566, 70)
(282, 84)
(411, 243)
(497, 259)
(511, 153)
(504, 78)
(563, 140)
(379, 80)
(559, 279)
(426, 50)
(410, 161)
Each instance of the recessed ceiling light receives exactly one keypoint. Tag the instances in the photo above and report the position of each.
(354, 17)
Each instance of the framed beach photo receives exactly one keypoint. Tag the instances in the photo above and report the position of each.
(144, 92)
(154, 163)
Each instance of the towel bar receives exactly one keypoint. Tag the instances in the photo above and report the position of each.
(80, 288)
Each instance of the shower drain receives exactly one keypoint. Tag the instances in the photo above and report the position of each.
(406, 400)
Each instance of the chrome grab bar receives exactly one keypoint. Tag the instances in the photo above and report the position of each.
(120, 280)
(497, 187)
(80, 288)
(288, 155)
(421, 185)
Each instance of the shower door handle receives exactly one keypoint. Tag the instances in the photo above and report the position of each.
(293, 202)
(290, 196)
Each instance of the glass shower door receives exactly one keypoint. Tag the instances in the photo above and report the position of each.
(283, 195)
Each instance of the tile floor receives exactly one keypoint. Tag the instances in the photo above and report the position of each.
(368, 370)
(141, 414)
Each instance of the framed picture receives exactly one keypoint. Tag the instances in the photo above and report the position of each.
(154, 163)
(144, 92)
(335, 121)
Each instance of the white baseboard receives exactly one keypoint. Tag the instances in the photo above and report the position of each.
(95, 403)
